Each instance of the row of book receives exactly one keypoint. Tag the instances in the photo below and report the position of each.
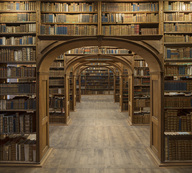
(176, 121)
(18, 148)
(17, 123)
(56, 91)
(57, 118)
(68, 18)
(68, 7)
(178, 148)
(17, 17)
(141, 81)
(17, 29)
(25, 5)
(56, 82)
(18, 103)
(23, 71)
(125, 18)
(178, 53)
(149, 31)
(17, 55)
(125, 106)
(177, 38)
(56, 73)
(31, 40)
(20, 88)
(141, 72)
(141, 118)
(89, 92)
(142, 102)
(57, 64)
(97, 50)
(177, 27)
(116, 7)
(178, 6)
(178, 70)
(140, 63)
(178, 85)
(56, 102)
(177, 102)
(68, 29)
(141, 91)
(177, 17)
(124, 30)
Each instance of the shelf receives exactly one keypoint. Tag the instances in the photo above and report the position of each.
(178, 21)
(18, 22)
(175, 11)
(177, 133)
(175, 108)
(18, 45)
(142, 76)
(177, 32)
(116, 23)
(65, 23)
(69, 12)
(141, 85)
(32, 78)
(18, 62)
(80, 54)
(18, 110)
(178, 60)
(68, 37)
(179, 44)
(18, 11)
(18, 33)
(130, 12)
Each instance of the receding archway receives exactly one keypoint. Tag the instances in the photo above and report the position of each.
(49, 50)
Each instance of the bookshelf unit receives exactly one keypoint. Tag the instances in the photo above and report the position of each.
(56, 92)
(18, 131)
(141, 107)
(178, 81)
(116, 86)
(124, 94)
(97, 80)
(69, 18)
(130, 18)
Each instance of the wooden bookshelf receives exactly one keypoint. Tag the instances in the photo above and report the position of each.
(177, 58)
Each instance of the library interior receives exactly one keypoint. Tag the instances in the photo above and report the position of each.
(100, 86)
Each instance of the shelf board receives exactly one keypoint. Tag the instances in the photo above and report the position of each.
(69, 12)
(177, 32)
(18, 62)
(131, 37)
(141, 85)
(178, 21)
(110, 54)
(18, 22)
(19, 94)
(179, 44)
(18, 45)
(142, 76)
(177, 133)
(17, 11)
(65, 23)
(178, 60)
(18, 33)
(179, 11)
(32, 78)
(172, 108)
(130, 12)
(126, 23)
(30, 133)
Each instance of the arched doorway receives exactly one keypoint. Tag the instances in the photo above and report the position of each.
(49, 50)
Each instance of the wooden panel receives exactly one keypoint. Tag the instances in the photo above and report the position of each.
(155, 99)
(155, 136)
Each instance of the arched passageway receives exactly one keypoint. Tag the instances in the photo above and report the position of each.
(49, 50)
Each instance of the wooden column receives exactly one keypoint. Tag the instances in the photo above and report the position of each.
(74, 92)
(114, 77)
(80, 88)
(120, 91)
(42, 114)
(130, 97)
(66, 93)
(157, 115)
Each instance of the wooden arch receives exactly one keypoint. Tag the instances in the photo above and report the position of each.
(150, 50)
